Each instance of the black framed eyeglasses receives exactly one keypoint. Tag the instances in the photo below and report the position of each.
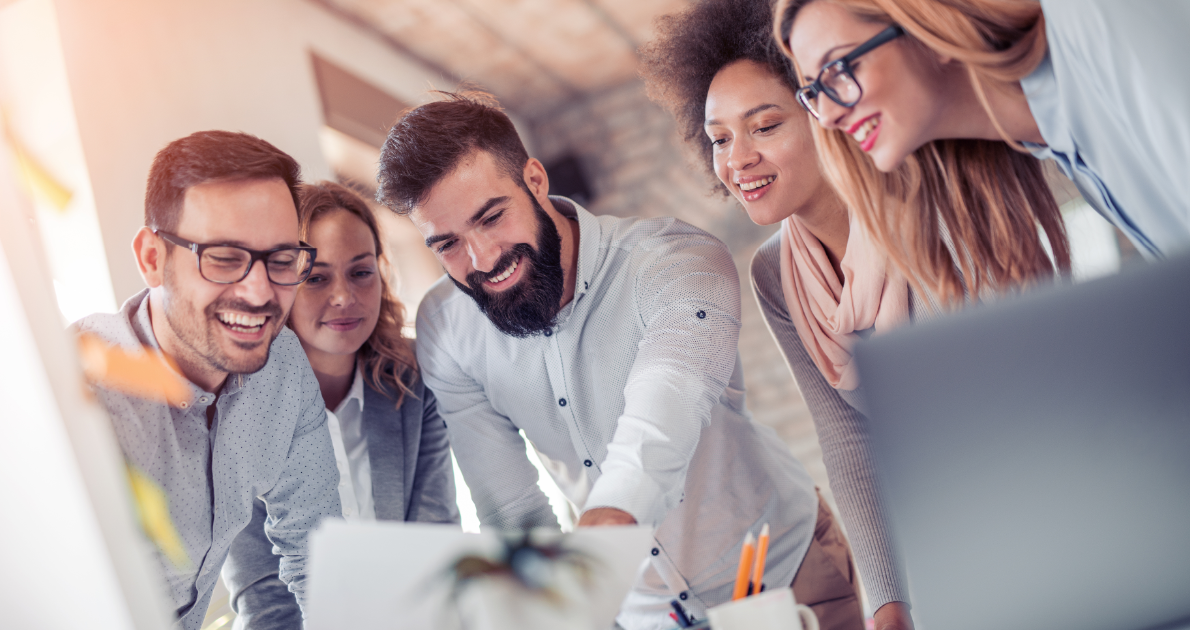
(836, 79)
(229, 264)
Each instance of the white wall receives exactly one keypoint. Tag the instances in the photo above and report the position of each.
(144, 72)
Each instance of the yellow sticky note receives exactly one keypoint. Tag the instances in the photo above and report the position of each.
(152, 506)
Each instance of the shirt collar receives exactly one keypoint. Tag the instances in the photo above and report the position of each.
(1042, 95)
(590, 236)
(355, 393)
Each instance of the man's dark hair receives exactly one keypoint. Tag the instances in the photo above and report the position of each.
(208, 156)
(428, 142)
(693, 45)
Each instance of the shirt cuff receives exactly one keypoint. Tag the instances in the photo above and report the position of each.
(632, 491)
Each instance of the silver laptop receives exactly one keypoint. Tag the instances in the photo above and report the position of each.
(1035, 453)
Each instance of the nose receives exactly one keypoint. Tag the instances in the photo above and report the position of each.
(341, 293)
(831, 114)
(255, 288)
(484, 253)
(743, 154)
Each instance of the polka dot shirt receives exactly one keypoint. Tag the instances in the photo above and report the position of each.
(268, 439)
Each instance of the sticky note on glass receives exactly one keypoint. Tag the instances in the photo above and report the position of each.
(152, 506)
(142, 374)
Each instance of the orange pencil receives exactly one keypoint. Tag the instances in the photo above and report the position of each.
(741, 578)
(762, 550)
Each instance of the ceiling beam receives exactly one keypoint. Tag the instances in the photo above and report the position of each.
(612, 23)
(571, 89)
(363, 24)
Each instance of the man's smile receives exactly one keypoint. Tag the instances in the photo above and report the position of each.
(507, 277)
(243, 326)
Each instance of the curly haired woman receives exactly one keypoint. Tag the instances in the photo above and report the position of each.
(820, 282)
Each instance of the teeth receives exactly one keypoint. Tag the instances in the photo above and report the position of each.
(504, 276)
(861, 134)
(242, 321)
(758, 183)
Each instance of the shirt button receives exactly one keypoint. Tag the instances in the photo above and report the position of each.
(682, 596)
(184, 405)
(561, 402)
(655, 551)
(702, 314)
(588, 463)
(548, 332)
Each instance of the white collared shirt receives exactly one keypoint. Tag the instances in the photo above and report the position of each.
(635, 400)
(346, 424)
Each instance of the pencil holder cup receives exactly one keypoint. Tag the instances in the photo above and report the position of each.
(770, 610)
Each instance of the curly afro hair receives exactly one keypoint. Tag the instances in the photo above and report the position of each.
(691, 47)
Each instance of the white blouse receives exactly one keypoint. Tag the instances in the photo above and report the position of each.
(346, 424)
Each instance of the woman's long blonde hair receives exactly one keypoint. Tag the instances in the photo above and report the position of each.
(387, 356)
(986, 196)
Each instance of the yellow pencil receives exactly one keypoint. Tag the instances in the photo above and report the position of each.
(741, 578)
(762, 550)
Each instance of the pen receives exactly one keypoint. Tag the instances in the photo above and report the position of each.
(762, 551)
(741, 578)
(680, 616)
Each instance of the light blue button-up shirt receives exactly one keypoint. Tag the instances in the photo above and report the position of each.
(268, 439)
(1112, 101)
(635, 401)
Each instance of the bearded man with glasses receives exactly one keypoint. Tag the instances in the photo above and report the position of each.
(255, 425)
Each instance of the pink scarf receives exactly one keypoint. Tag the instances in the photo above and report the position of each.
(827, 313)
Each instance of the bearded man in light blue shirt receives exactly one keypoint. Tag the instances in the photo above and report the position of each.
(219, 203)
(612, 344)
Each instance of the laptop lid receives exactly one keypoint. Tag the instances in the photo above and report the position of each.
(1036, 455)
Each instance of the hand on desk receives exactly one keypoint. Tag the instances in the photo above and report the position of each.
(605, 516)
(893, 616)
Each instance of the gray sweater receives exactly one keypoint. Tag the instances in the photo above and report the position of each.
(843, 433)
(412, 480)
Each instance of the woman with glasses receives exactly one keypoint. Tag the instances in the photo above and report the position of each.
(390, 444)
(913, 114)
(820, 283)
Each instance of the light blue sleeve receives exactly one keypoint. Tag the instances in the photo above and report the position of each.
(1125, 92)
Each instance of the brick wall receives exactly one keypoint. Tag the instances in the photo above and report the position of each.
(636, 164)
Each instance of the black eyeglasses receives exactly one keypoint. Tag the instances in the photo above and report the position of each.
(836, 80)
(228, 264)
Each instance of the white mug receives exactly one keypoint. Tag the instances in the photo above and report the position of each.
(770, 610)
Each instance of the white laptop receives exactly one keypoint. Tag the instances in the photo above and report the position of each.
(395, 575)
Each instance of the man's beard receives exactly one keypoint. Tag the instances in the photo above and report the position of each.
(200, 332)
(531, 306)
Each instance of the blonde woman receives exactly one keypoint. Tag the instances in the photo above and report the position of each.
(920, 107)
(390, 444)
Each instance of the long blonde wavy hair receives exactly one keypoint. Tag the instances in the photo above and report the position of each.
(988, 196)
(387, 356)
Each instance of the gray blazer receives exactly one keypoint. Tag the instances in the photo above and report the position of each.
(412, 480)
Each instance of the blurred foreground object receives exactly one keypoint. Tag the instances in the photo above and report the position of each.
(152, 506)
(1037, 450)
(390, 575)
(144, 375)
(72, 512)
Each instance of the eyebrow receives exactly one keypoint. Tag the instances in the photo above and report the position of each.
(487, 205)
(748, 114)
(356, 259)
